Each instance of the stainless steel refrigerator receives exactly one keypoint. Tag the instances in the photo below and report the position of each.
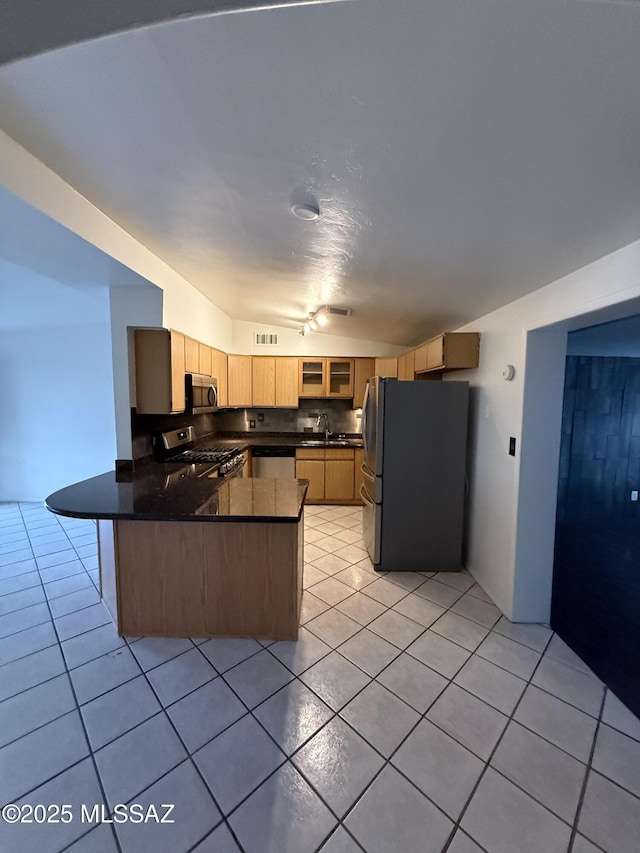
(415, 439)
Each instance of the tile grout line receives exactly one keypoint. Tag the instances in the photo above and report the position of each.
(585, 781)
(458, 823)
(84, 730)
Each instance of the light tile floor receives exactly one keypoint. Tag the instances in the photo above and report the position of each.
(410, 716)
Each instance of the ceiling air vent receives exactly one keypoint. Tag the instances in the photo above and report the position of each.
(265, 339)
(339, 312)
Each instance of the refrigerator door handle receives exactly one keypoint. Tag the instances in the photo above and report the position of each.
(367, 471)
(366, 499)
(363, 425)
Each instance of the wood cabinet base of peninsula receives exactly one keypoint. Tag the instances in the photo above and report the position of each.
(206, 579)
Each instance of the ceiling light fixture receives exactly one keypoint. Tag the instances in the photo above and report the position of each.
(308, 212)
(320, 317)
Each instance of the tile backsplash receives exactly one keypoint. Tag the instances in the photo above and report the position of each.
(342, 418)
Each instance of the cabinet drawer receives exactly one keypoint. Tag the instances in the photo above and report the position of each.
(335, 453)
(310, 453)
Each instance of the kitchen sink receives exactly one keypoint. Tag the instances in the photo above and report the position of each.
(331, 442)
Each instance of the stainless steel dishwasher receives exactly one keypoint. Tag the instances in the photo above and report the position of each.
(274, 462)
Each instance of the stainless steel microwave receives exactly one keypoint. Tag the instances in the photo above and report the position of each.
(201, 393)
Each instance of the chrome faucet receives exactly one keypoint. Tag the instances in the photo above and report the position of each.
(327, 430)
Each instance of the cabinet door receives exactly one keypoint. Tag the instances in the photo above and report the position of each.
(312, 470)
(364, 370)
(461, 350)
(405, 366)
(219, 373)
(264, 380)
(246, 467)
(204, 359)
(435, 353)
(239, 380)
(420, 358)
(287, 382)
(357, 473)
(312, 377)
(387, 366)
(178, 370)
(338, 480)
(339, 377)
(191, 355)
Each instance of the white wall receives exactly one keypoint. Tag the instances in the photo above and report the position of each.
(129, 306)
(185, 308)
(57, 419)
(511, 509)
(313, 343)
(618, 338)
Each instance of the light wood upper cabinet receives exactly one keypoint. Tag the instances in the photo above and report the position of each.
(364, 370)
(240, 380)
(406, 365)
(287, 382)
(435, 353)
(387, 366)
(420, 358)
(312, 374)
(178, 370)
(264, 380)
(219, 372)
(160, 367)
(191, 355)
(204, 359)
(339, 377)
(451, 351)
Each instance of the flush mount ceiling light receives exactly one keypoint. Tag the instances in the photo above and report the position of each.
(307, 211)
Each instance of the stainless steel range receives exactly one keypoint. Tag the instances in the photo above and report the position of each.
(177, 446)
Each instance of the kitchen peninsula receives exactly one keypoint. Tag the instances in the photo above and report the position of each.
(187, 555)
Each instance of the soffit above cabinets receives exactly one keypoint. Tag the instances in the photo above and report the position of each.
(461, 154)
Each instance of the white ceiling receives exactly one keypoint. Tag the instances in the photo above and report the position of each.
(463, 153)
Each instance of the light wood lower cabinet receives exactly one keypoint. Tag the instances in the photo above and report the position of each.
(313, 471)
(205, 579)
(330, 473)
(247, 466)
(338, 478)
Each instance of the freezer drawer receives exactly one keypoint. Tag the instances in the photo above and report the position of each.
(371, 526)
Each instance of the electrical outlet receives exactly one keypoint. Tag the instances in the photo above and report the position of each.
(252, 424)
(634, 495)
(260, 417)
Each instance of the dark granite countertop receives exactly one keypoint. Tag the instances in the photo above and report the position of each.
(166, 492)
(242, 440)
